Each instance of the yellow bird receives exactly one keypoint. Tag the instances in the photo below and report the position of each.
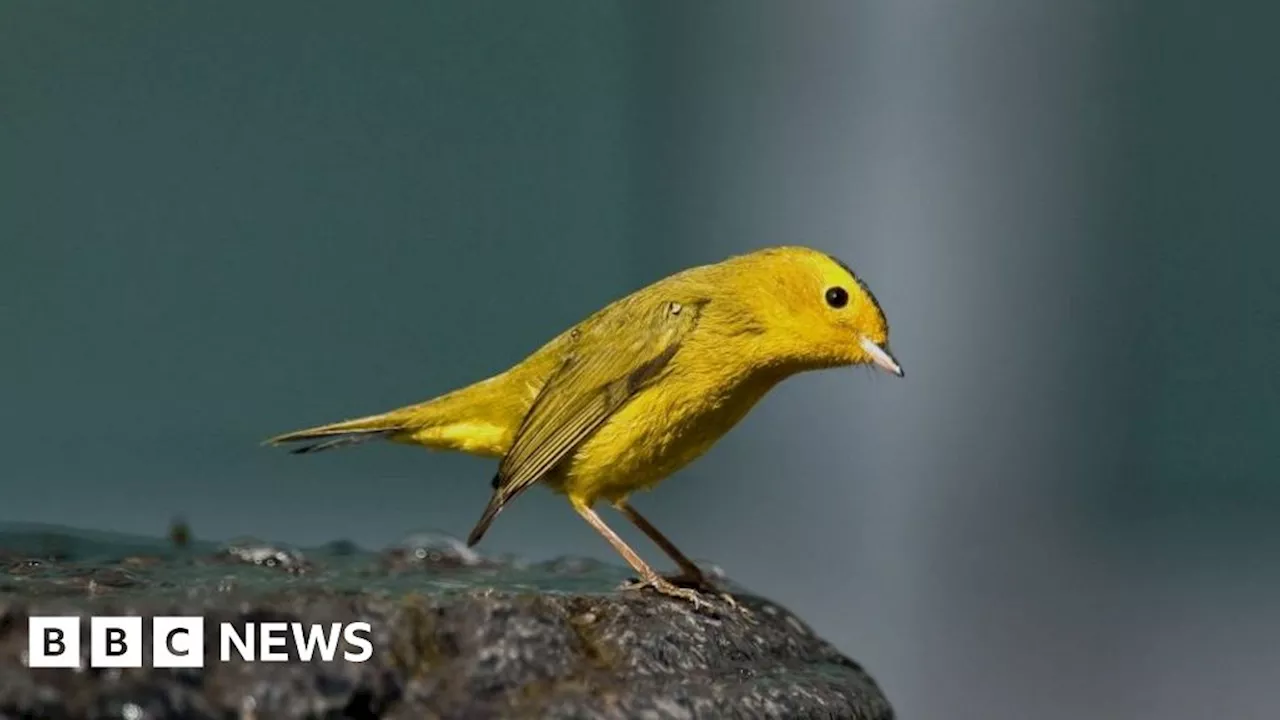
(642, 387)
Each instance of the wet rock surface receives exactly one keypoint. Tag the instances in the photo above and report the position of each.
(454, 635)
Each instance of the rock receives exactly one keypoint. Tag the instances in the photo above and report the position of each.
(486, 640)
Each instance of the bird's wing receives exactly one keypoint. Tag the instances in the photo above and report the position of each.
(599, 374)
(610, 359)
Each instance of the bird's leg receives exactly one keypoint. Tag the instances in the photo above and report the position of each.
(690, 576)
(648, 577)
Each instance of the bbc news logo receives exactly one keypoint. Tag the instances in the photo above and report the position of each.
(179, 642)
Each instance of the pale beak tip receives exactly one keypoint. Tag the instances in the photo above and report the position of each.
(882, 358)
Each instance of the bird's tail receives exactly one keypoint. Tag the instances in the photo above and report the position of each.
(347, 432)
(479, 419)
(491, 511)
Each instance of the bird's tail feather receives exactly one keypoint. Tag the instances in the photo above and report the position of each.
(347, 432)
(340, 441)
(491, 511)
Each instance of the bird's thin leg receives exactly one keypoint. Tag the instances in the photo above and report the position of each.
(690, 574)
(647, 575)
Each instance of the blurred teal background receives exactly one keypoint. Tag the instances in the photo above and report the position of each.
(223, 221)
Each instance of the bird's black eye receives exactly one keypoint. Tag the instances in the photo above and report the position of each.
(837, 297)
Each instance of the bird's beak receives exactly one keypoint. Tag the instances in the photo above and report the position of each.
(881, 357)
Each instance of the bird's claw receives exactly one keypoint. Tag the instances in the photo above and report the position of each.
(686, 588)
(666, 587)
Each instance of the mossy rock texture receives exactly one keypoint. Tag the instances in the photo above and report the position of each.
(455, 635)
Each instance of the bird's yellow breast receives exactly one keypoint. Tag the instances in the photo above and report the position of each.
(662, 429)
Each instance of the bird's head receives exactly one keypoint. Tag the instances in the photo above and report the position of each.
(815, 311)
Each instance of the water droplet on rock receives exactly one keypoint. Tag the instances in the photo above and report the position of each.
(256, 552)
(28, 566)
(431, 550)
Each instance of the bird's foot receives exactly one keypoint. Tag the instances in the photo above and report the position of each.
(666, 587)
(700, 583)
(686, 586)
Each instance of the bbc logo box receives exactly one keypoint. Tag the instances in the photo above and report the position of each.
(180, 642)
(115, 641)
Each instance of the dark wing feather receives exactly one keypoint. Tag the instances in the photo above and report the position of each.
(597, 377)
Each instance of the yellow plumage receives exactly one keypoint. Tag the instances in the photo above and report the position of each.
(644, 386)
